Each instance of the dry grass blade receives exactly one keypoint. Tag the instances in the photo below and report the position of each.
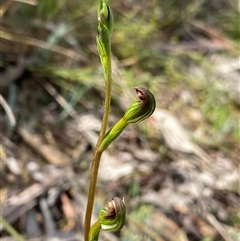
(17, 205)
(60, 100)
(5, 7)
(218, 226)
(48, 152)
(9, 112)
(30, 2)
(40, 44)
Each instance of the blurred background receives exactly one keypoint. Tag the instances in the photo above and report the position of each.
(178, 170)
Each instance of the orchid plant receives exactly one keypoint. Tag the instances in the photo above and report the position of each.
(112, 217)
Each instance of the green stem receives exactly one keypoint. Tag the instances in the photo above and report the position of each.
(107, 103)
(98, 153)
(105, 26)
(91, 193)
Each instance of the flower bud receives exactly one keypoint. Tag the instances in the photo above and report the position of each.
(105, 16)
(142, 107)
(105, 28)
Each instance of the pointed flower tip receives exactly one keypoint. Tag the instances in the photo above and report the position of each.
(105, 15)
(112, 217)
(142, 107)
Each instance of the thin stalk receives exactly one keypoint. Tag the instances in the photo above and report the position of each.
(15, 235)
(97, 154)
(95, 230)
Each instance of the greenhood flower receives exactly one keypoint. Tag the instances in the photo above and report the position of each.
(111, 218)
(141, 108)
